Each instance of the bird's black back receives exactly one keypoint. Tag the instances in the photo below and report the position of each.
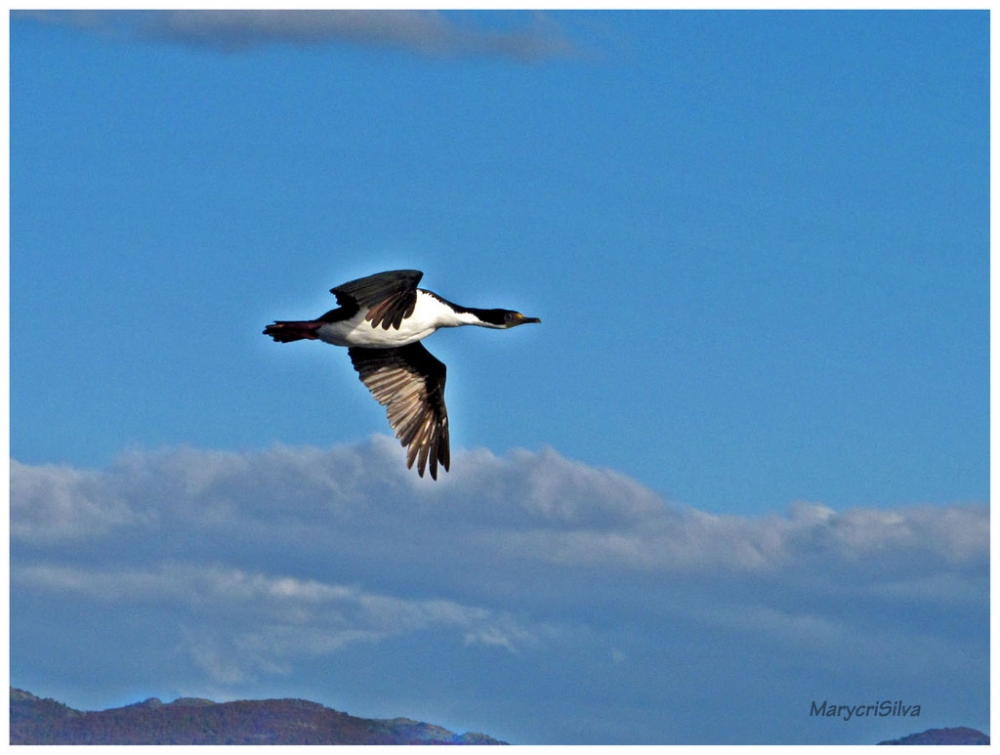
(389, 297)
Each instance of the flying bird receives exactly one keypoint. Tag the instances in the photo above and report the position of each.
(381, 320)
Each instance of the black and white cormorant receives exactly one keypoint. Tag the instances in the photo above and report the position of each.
(381, 320)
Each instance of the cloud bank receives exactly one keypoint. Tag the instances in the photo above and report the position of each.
(431, 33)
(511, 582)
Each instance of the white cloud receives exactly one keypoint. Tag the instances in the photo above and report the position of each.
(431, 33)
(58, 502)
(293, 601)
(525, 508)
(238, 625)
(300, 563)
(549, 509)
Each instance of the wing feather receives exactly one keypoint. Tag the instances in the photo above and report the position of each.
(389, 297)
(409, 382)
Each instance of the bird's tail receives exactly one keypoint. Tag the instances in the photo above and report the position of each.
(286, 331)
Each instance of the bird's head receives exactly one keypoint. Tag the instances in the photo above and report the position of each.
(503, 318)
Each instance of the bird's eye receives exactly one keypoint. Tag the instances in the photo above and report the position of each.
(512, 317)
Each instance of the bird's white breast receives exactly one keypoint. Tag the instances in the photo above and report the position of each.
(429, 314)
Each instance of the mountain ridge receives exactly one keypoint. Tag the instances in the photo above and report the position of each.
(195, 720)
(959, 735)
(190, 721)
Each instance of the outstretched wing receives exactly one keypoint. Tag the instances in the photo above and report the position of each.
(389, 297)
(409, 383)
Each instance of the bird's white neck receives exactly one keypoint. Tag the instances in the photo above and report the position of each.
(439, 313)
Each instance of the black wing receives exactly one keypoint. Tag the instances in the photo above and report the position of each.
(409, 383)
(389, 297)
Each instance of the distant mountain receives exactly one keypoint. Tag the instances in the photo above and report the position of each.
(958, 736)
(193, 721)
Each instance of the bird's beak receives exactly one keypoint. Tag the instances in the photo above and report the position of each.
(521, 319)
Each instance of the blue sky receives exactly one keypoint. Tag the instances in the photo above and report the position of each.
(749, 437)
